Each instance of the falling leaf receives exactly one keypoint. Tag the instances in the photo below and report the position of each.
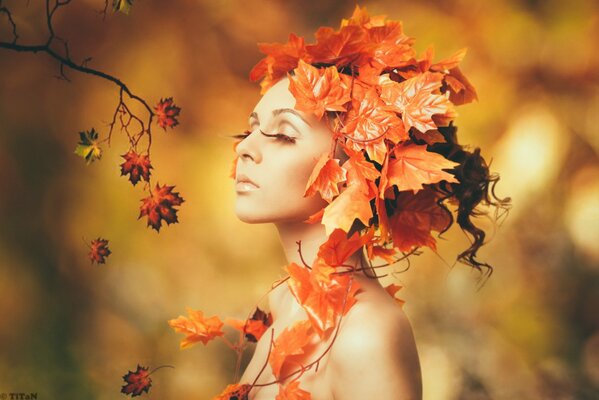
(317, 90)
(292, 391)
(88, 146)
(123, 6)
(235, 391)
(167, 113)
(159, 206)
(137, 382)
(290, 342)
(196, 327)
(415, 166)
(325, 177)
(99, 250)
(415, 99)
(254, 327)
(392, 289)
(137, 166)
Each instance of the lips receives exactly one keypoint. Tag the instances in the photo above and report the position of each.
(244, 178)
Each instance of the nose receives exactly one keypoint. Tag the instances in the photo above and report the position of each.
(249, 148)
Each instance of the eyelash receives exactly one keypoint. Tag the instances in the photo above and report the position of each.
(279, 136)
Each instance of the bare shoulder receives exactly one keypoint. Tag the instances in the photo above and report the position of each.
(375, 354)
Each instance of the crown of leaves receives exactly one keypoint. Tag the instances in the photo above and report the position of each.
(391, 105)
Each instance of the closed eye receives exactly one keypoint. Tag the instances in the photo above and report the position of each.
(279, 136)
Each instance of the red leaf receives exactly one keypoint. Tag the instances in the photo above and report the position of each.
(235, 391)
(138, 166)
(167, 111)
(137, 382)
(159, 206)
(99, 251)
(461, 90)
(254, 327)
(416, 216)
(197, 327)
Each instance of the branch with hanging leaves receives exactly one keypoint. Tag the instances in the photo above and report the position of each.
(159, 205)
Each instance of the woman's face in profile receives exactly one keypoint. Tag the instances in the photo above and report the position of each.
(280, 168)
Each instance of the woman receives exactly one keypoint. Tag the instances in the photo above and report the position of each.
(374, 355)
(353, 155)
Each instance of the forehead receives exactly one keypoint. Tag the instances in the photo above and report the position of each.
(277, 96)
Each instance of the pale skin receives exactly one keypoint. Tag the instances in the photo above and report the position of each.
(374, 355)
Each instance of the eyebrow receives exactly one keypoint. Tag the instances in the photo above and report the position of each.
(282, 110)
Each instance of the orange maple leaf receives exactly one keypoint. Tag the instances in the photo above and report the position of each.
(318, 90)
(361, 18)
(338, 247)
(290, 342)
(320, 294)
(280, 58)
(347, 45)
(292, 391)
(368, 122)
(235, 391)
(416, 216)
(324, 178)
(196, 327)
(380, 251)
(352, 203)
(415, 166)
(461, 90)
(254, 327)
(359, 171)
(415, 100)
(393, 47)
(392, 289)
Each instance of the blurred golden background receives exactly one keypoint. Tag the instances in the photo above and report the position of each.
(71, 330)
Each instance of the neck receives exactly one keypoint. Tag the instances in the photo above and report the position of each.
(311, 237)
